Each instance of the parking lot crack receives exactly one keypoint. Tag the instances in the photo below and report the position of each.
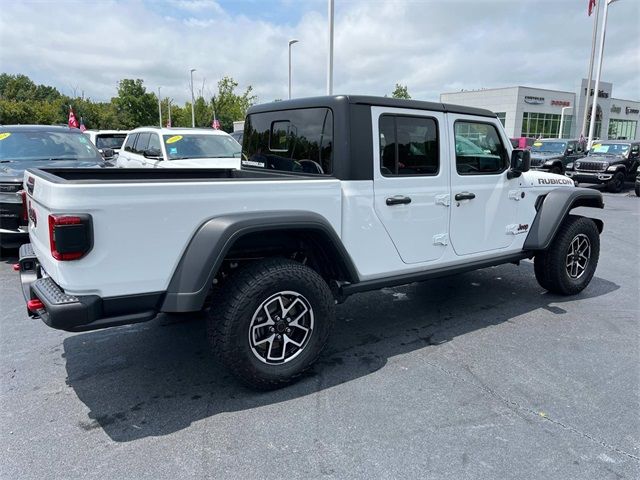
(517, 407)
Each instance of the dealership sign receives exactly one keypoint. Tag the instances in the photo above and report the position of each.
(561, 103)
(534, 100)
(630, 110)
(615, 109)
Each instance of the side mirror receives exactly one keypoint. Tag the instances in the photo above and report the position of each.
(520, 163)
(153, 153)
(107, 153)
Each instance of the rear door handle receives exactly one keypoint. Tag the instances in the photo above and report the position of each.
(465, 196)
(399, 200)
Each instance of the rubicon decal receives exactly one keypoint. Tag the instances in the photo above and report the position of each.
(555, 181)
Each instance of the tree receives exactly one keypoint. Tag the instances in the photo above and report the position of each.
(401, 92)
(230, 106)
(134, 106)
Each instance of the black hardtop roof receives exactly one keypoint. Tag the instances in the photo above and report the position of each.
(615, 141)
(38, 128)
(340, 100)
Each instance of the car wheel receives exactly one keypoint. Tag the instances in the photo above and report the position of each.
(556, 169)
(616, 184)
(568, 265)
(270, 321)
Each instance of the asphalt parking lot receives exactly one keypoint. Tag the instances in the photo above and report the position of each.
(482, 375)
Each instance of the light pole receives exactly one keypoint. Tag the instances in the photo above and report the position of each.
(330, 56)
(596, 87)
(169, 112)
(291, 42)
(562, 121)
(590, 74)
(193, 101)
(159, 107)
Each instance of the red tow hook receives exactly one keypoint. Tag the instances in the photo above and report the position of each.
(35, 305)
(16, 267)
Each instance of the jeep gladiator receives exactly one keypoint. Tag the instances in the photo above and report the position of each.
(336, 195)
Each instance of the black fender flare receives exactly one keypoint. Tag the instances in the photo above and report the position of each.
(554, 208)
(203, 256)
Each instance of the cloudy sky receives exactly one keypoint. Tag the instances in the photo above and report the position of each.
(432, 46)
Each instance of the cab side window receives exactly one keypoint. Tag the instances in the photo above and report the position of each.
(142, 143)
(479, 149)
(154, 143)
(131, 141)
(408, 145)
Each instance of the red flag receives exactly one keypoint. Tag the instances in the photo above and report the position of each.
(73, 121)
(215, 124)
(82, 127)
(592, 3)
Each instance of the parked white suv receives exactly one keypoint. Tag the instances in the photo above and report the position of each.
(107, 139)
(179, 148)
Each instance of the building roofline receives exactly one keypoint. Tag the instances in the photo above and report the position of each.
(508, 88)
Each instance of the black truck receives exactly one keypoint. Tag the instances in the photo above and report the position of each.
(553, 154)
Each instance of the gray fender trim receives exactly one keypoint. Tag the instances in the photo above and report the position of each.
(205, 252)
(554, 209)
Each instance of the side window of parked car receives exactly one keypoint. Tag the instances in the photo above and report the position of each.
(154, 142)
(408, 145)
(131, 141)
(142, 143)
(479, 149)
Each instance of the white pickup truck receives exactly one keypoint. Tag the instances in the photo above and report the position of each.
(336, 195)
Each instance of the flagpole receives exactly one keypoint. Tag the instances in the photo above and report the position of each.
(159, 107)
(330, 54)
(590, 75)
(596, 87)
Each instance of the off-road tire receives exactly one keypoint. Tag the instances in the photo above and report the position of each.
(235, 303)
(616, 184)
(550, 266)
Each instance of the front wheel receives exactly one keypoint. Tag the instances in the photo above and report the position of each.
(568, 265)
(271, 322)
(616, 184)
(556, 169)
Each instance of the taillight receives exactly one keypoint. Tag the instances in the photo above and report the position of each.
(70, 236)
(25, 211)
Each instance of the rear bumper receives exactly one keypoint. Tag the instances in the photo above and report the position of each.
(83, 312)
(587, 177)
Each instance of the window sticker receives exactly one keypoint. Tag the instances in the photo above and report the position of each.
(537, 144)
(174, 139)
(4, 135)
(173, 150)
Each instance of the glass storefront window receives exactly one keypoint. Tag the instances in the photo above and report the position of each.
(501, 116)
(622, 129)
(545, 125)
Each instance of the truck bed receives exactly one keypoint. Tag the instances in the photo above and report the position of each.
(137, 175)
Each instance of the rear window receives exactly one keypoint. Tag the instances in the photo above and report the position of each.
(110, 140)
(291, 140)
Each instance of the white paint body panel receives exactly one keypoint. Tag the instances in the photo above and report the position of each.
(142, 229)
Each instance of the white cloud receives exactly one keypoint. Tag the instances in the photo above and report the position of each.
(431, 46)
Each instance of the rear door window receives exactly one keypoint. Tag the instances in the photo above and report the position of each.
(131, 141)
(142, 143)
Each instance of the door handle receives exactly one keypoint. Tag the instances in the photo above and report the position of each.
(465, 196)
(398, 200)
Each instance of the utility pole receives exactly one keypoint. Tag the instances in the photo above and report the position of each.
(291, 42)
(193, 101)
(330, 56)
(590, 75)
(159, 107)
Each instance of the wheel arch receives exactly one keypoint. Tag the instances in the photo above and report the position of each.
(217, 237)
(554, 208)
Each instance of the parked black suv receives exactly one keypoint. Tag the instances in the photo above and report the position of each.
(553, 154)
(39, 146)
(610, 162)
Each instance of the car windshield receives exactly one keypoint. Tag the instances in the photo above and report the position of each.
(549, 147)
(609, 148)
(110, 140)
(46, 145)
(201, 146)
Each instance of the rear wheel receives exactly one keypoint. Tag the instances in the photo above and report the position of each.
(616, 184)
(271, 321)
(568, 265)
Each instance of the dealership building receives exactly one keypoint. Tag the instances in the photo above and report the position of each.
(537, 112)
